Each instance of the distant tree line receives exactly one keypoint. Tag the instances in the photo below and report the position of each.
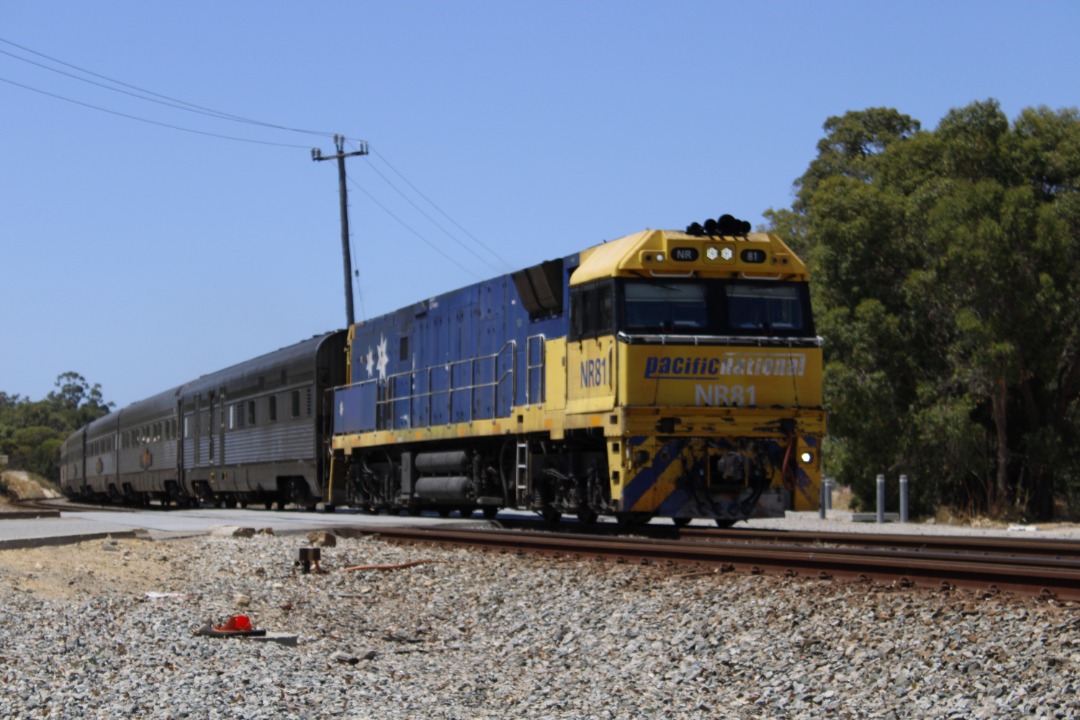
(32, 431)
(947, 264)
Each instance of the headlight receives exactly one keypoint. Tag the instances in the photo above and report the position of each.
(806, 458)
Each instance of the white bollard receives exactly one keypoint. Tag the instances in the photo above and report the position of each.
(881, 498)
(903, 498)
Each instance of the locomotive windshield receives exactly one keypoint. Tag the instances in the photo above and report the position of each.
(654, 307)
(715, 308)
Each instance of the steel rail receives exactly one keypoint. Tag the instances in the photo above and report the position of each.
(1010, 546)
(983, 572)
(1019, 546)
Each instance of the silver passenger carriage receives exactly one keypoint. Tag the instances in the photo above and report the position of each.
(253, 432)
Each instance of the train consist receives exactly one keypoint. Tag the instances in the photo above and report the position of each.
(667, 373)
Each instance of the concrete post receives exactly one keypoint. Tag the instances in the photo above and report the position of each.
(881, 498)
(821, 500)
(903, 498)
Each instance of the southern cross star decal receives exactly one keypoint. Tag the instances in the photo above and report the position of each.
(383, 358)
(370, 363)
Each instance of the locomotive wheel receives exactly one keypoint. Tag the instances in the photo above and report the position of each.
(680, 521)
(587, 516)
(633, 519)
(725, 523)
(490, 511)
(550, 514)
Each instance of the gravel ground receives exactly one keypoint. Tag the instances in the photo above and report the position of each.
(485, 635)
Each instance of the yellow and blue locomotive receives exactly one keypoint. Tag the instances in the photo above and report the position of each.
(666, 373)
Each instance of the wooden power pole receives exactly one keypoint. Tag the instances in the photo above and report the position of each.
(316, 154)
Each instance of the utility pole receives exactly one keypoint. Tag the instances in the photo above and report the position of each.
(316, 155)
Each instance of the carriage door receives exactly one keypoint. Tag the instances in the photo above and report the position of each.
(196, 436)
(219, 427)
(212, 429)
(178, 436)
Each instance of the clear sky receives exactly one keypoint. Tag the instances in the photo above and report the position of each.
(502, 134)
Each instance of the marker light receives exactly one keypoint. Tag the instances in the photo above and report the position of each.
(659, 257)
(806, 457)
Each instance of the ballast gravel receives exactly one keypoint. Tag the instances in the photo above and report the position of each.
(486, 635)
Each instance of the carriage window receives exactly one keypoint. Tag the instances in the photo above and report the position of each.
(273, 408)
(295, 403)
(250, 413)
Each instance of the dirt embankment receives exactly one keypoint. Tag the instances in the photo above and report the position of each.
(21, 485)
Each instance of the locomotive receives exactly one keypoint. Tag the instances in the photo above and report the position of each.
(666, 373)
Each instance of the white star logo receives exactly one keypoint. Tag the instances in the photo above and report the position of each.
(370, 363)
(383, 358)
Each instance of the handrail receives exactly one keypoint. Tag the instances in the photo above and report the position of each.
(386, 399)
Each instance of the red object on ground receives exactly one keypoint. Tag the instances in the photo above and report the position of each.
(237, 623)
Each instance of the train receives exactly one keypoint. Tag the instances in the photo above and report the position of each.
(667, 373)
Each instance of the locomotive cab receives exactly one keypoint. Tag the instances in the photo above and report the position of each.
(703, 352)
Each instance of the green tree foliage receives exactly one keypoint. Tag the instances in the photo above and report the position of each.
(946, 263)
(31, 432)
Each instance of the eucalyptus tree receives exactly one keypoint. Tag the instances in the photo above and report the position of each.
(946, 262)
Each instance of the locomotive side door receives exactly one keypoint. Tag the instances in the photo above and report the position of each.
(590, 349)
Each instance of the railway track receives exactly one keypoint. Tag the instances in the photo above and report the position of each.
(1020, 565)
(1050, 574)
(1008, 546)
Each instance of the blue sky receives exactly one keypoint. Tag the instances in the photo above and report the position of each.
(143, 256)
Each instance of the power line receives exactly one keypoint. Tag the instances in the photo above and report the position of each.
(173, 102)
(147, 120)
(432, 203)
(401, 222)
(430, 219)
(161, 99)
